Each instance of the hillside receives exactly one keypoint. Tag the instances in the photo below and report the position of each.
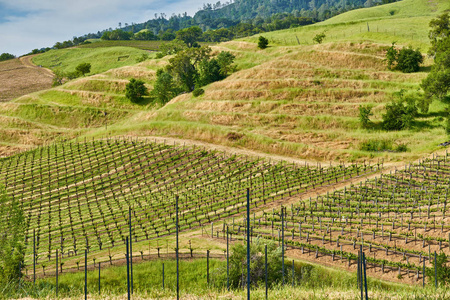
(295, 98)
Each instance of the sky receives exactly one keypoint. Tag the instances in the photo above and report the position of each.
(29, 24)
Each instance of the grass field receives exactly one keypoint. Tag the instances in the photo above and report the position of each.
(294, 99)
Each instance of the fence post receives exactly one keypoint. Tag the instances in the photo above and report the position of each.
(56, 272)
(228, 265)
(248, 244)
(365, 277)
(128, 270)
(265, 263)
(423, 274)
(293, 274)
(282, 243)
(85, 274)
(131, 251)
(178, 268)
(163, 276)
(207, 267)
(34, 256)
(99, 278)
(435, 270)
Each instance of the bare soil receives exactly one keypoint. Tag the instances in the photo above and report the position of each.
(20, 76)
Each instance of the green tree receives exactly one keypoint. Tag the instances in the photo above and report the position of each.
(364, 116)
(391, 56)
(83, 68)
(442, 270)
(409, 60)
(437, 83)
(440, 31)
(164, 88)
(145, 35)
(262, 42)
(135, 90)
(238, 265)
(6, 56)
(58, 78)
(225, 60)
(318, 38)
(400, 113)
(12, 229)
(183, 66)
(209, 71)
(190, 35)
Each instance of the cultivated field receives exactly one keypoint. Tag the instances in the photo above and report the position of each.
(76, 196)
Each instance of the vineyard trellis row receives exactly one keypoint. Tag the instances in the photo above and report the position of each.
(76, 195)
(400, 219)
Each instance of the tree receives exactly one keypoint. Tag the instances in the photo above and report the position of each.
(12, 236)
(135, 90)
(400, 113)
(364, 116)
(209, 71)
(58, 78)
(437, 83)
(408, 60)
(440, 30)
(318, 38)
(145, 35)
(164, 88)
(262, 42)
(6, 56)
(190, 35)
(83, 68)
(238, 265)
(391, 56)
(442, 270)
(225, 60)
(183, 67)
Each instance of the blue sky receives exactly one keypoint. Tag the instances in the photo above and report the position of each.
(30, 24)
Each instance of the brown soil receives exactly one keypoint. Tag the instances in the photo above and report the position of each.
(20, 77)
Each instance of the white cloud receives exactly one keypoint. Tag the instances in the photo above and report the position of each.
(36, 24)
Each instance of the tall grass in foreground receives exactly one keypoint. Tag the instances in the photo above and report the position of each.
(312, 282)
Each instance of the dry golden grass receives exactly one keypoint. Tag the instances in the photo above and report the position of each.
(18, 79)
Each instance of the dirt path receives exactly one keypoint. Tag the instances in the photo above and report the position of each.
(27, 62)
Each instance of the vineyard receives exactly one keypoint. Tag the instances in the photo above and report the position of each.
(400, 219)
(76, 195)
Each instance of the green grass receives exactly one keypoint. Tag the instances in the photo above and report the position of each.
(101, 59)
(316, 282)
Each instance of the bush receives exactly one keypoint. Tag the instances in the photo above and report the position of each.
(400, 113)
(382, 145)
(164, 88)
(12, 249)
(135, 90)
(442, 270)
(238, 265)
(364, 113)
(198, 92)
(318, 38)
(263, 42)
(83, 68)
(408, 60)
(6, 56)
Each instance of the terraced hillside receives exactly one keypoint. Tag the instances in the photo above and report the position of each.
(76, 196)
(294, 98)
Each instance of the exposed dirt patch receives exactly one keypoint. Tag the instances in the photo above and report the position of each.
(19, 77)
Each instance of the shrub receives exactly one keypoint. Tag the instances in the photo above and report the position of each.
(83, 68)
(442, 270)
(164, 88)
(400, 113)
(263, 42)
(238, 265)
(198, 92)
(6, 56)
(408, 60)
(364, 113)
(135, 90)
(318, 38)
(12, 250)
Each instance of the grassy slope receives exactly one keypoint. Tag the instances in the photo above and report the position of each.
(290, 99)
(303, 100)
